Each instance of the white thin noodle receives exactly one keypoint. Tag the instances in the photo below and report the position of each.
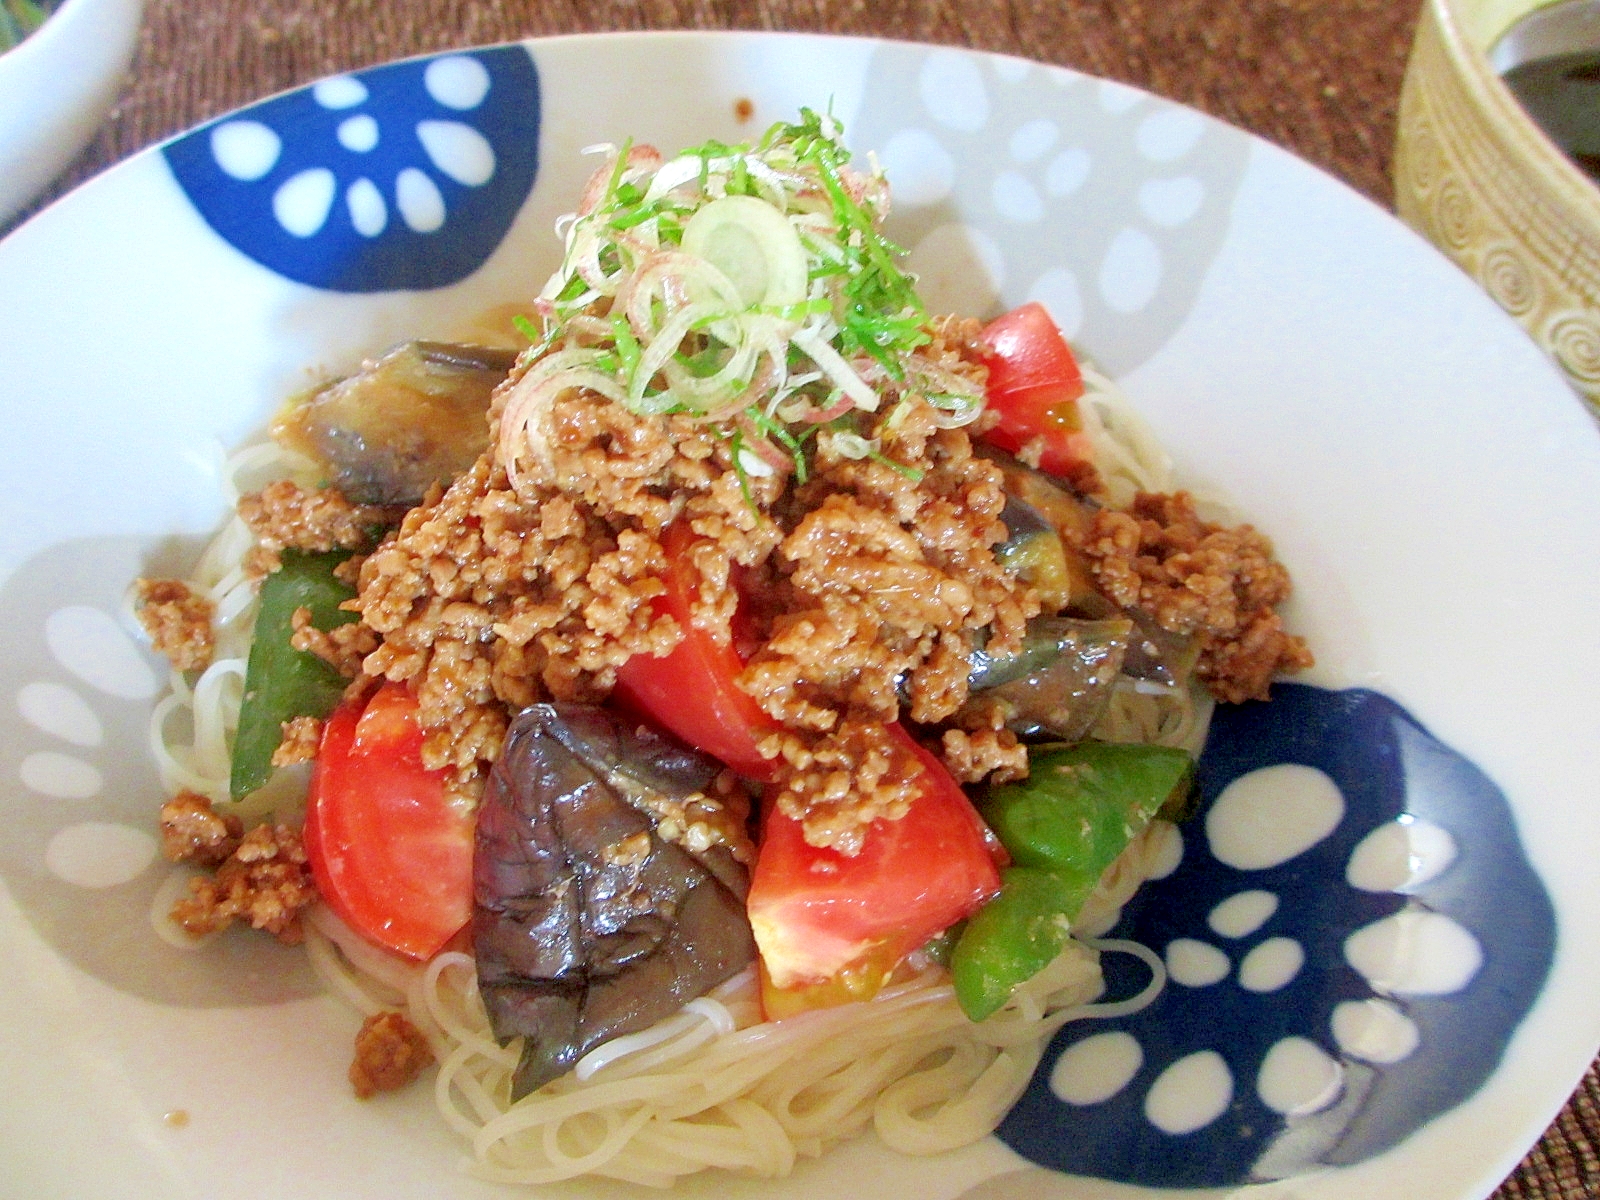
(715, 1087)
(192, 727)
(1130, 459)
(1126, 452)
(712, 1086)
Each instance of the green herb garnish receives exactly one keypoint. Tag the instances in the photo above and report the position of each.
(748, 286)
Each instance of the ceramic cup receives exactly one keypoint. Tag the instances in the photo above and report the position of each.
(1476, 176)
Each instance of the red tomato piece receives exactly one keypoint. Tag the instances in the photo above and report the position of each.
(831, 927)
(388, 850)
(693, 691)
(1034, 385)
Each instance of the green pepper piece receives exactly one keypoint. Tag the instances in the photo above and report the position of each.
(1063, 826)
(1082, 804)
(280, 682)
(1010, 939)
(941, 946)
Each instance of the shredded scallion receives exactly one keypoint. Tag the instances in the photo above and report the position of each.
(783, 310)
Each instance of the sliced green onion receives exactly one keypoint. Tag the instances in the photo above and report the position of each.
(747, 284)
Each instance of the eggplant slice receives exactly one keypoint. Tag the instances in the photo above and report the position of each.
(415, 417)
(1059, 683)
(587, 924)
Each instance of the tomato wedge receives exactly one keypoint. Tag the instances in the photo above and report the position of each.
(1034, 385)
(831, 927)
(388, 850)
(693, 691)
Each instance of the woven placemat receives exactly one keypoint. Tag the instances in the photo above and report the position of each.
(1319, 77)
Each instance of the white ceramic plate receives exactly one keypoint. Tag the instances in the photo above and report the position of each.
(1424, 472)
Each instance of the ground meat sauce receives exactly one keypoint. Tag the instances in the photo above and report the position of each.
(343, 647)
(301, 737)
(260, 877)
(1219, 584)
(177, 620)
(284, 515)
(390, 1052)
(192, 832)
(874, 575)
(978, 754)
(869, 581)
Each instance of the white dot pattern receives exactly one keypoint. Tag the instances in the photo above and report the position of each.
(418, 198)
(358, 134)
(57, 710)
(457, 82)
(89, 643)
(368, 212)
(302, 202)
(1067, 172)
(1415, 953)
(1131, 272)
(457, 150)
(1171, 203)
(1033, 140)
(1169, 134)
(1374, 1030)
(60, 775)
(1400, 856)
(245, 150)
(1242, 914)
(1272, 815)
(1298, 1078)
(339, 92)
(953, 91)
(1190, 1094)
(922, 169)
(1097, 1068)
(1272, 965)
(100, 854)
(1195, 964)
(1016, 199)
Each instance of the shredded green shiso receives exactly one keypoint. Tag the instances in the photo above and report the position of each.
(747, 286)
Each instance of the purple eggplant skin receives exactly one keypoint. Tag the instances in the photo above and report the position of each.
(1044, 520)
(587, 924)
(1059, 684)
(416, 417)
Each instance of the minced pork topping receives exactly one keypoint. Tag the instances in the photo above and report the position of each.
(178, 621)
(864, 585)
(873, 576)
(1219, 584)
(261, 876)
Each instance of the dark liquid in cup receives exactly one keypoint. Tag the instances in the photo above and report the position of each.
(1562, 94)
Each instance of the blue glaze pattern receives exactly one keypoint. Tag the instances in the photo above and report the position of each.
(1387, 768)
(406, 176)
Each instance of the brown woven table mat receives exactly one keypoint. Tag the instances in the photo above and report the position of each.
(1320, 77)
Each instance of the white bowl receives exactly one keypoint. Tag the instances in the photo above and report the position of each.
(56, 88)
